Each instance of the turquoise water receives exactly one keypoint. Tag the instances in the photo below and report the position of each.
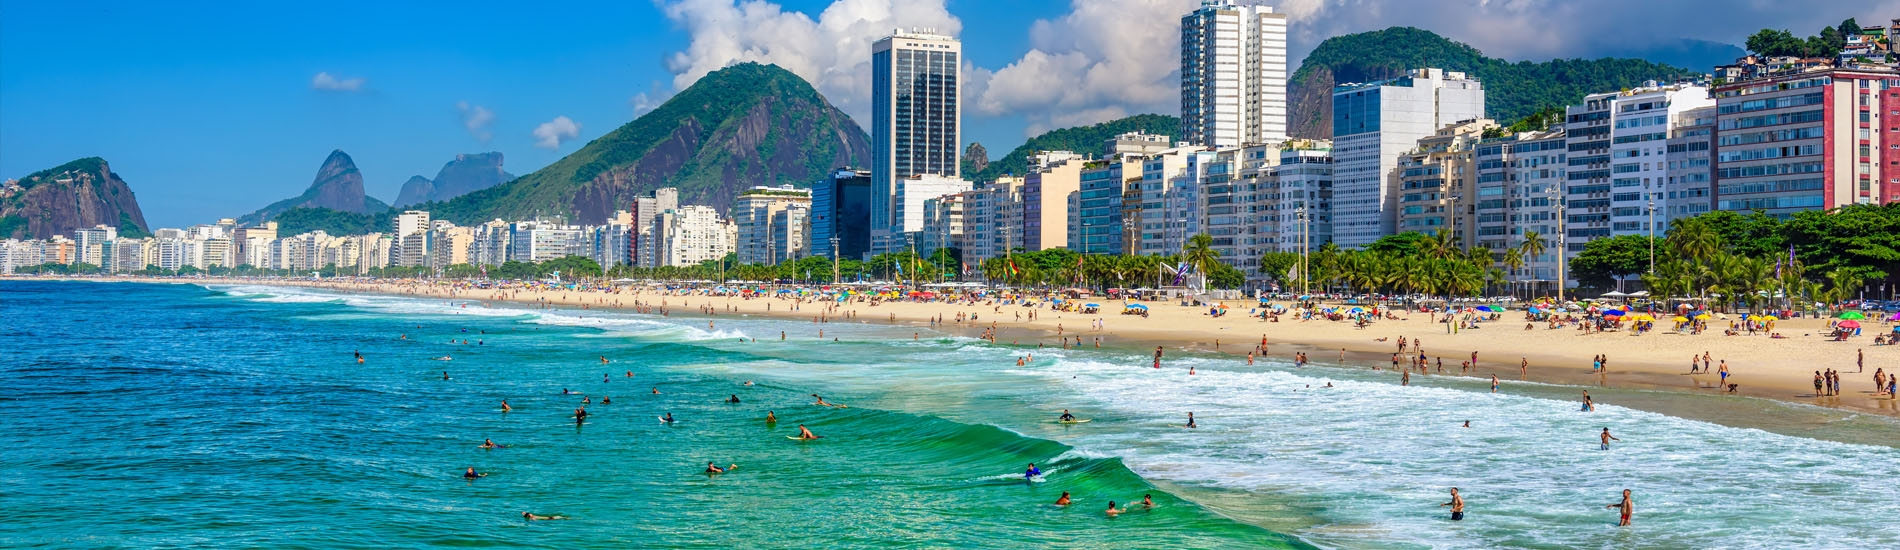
(173, 415)
(176, 415)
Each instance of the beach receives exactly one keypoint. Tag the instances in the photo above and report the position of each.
(234, 412)
(1760, 366)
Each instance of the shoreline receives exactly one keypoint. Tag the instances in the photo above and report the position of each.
(1776, 370)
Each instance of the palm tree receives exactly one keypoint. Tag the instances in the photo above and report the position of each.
(1440, 245)
(1513, 261)
(1199, 254)
(1532, 247)
(1694, 238)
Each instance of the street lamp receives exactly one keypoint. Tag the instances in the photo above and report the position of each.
(834, 259)
(1652, 236)
(1562, 253)
(1085, 251)
(1305, 247)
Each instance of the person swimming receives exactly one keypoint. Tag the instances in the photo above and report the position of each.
(770, 418)
(445, 357)
(821, 401)
(1063, 500)
(1032, 473)
(530, 516)
(734, 399)
(748, 382)
(656, 390)
(470, 474)
(490, 444)
(605, 400)
(505, 407)
(804, 433)
(714, 469)
(1148, 501)
(1112, 511)
(445, 375)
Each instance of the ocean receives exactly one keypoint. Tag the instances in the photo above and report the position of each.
(156, 415)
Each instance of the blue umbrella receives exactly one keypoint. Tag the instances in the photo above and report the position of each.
(1091, 305)
(1138, 306)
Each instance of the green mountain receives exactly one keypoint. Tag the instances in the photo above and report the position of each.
(1511, 90)
(1086, 140)
(76, 195)
(741, 126)
(304, 219)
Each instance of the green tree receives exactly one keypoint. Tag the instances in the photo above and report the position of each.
(1199, 254)
(1605, 260)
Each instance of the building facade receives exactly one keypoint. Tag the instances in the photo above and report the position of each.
(1233, 74)
(1373, 124)
(916, 123)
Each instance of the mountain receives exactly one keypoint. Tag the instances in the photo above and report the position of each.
(1511, 90)
(79, 194)
(1086, 140)
(737, 127)
(464, 175)
(338, 186)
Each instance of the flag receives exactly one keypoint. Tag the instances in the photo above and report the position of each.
(966, 267)
(1012, 267)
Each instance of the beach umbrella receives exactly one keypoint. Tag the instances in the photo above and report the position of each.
(1896, 317)
(1680, 319)
(1849, 324)
(1138, 306)
(1702, 317)
(1487, 309)
(1852, 315)
(1612, 313)
(1091, 305)
(1640, 317)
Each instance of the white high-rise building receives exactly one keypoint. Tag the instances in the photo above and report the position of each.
(1373, 124)
(1618, 166)
(916, 126)
(908, 205)
(1233, 74)
(692, 234)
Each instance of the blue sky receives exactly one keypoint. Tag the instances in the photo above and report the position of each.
(210, 110)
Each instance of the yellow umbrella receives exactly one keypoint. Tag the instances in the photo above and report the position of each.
(1640, 317)
(1702, 317)
(1680, 319)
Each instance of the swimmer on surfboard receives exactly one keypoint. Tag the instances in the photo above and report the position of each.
(712, 469)
(804, 433)
(1066, 417)
(667, 419)
(470, 474)
(1032, 473)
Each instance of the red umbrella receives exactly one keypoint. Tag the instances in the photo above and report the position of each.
(1849, 324)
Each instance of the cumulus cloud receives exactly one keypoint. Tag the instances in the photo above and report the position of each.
(476, 119)
(833, 52)
(553, 133)
(1100, 61)
(324, 81)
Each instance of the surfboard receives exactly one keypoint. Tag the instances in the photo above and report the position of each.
(796, 438)
(1076, 421)
(663, 420)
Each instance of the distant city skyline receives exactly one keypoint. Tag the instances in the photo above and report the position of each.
(212, 112)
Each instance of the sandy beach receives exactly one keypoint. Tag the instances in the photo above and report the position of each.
(1780, 369)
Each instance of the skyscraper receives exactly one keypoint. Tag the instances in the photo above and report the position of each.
(916, 121)
(1373, 124)
(1233, 74)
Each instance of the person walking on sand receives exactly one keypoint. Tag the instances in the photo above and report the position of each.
(1457, 505)
(1624, 508)
(1606, 438)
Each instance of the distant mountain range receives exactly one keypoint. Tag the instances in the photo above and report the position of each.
(76, 195)
(338, 186)
(741, 126)
(1511, 90)
(466, 174)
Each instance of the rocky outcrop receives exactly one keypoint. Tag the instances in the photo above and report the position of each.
(338, 186)
(466, 174)
(79, 194)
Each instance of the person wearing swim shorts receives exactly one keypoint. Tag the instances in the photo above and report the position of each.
(1457, 505)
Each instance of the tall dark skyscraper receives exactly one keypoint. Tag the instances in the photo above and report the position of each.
(916, 122)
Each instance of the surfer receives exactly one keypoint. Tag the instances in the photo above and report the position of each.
(734, 399)
(490, 444)
(1625, 508)
(1191, 423)
(603, 360)
(821, 401)
(505, 407)
(1032, 472)
(1605, 438)
(1457, 505)
(580, 414)
(804, 433)
(445, 375)
(445, 357)
(748, 382)
(667, 419)
(656, 390)
(470, 474)
(1066, 417)
(1147, 501)
(1063, 500)
(530, 516)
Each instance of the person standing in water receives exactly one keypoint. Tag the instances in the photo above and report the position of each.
(1191, 423)
(1157, 357)
(1457, 505)
(1494, 383)
(1606, 438)
(1112, 511)
(1627, 506)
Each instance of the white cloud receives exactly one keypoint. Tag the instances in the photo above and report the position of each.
(476, 119)
(1102, 60)
(553, 133)
(832, 52)
(325, 82)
